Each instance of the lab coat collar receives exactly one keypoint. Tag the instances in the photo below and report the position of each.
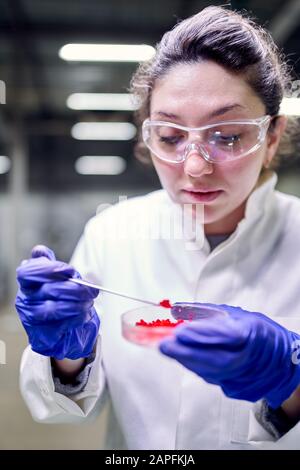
(260, 197)
(259, 200)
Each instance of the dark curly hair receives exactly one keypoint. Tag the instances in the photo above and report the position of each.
(232, 40)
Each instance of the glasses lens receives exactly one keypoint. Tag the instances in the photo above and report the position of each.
(230, 141)
(166, 142)
(222, 142)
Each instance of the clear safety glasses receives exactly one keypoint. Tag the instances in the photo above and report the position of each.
(217, 143)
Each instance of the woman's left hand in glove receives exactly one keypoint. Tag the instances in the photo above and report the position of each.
(246, 353)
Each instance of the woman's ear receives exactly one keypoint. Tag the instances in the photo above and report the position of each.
(274, 135)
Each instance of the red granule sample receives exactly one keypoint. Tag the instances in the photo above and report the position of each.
(156, 323)
(165, 303)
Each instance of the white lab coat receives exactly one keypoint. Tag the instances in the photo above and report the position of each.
(158, 404)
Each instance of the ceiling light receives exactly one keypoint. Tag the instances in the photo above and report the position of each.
(290, 107)
(103, 131)
(102, 101)
(5, 164)
(107, 52)
(100, 165)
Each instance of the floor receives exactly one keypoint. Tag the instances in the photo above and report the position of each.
(17, 429)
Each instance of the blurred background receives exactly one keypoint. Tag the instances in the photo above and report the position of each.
(57, 161)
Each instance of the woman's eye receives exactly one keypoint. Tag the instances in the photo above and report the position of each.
(171, 140)
(226, 139)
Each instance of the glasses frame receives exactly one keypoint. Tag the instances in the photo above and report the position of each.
(262, 122)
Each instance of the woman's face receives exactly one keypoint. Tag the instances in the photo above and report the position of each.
(189, 95)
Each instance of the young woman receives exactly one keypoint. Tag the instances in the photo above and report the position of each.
(210, 100)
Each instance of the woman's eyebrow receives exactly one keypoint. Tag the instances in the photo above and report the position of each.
(166, 115)
(215, 113)
(225, 109)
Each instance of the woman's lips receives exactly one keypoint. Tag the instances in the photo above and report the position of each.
(198, 196)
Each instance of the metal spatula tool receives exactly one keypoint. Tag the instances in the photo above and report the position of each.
(179, 310)
(110, 291)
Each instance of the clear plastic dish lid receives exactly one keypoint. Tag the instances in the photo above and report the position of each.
(147, 326)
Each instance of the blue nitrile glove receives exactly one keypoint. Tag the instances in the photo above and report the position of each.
(246, 353)
(57, 314)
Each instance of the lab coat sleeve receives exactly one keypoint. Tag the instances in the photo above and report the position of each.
(258, 437)
(36, 381)
(48, 406)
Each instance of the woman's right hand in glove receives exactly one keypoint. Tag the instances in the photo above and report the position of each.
(57, 314)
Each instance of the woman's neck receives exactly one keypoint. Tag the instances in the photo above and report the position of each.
(227, 224)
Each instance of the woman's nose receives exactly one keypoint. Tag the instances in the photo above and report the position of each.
(195, 164)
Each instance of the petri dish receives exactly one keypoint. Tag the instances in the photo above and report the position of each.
(147, 335)
(196, 311)
(151, 335)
